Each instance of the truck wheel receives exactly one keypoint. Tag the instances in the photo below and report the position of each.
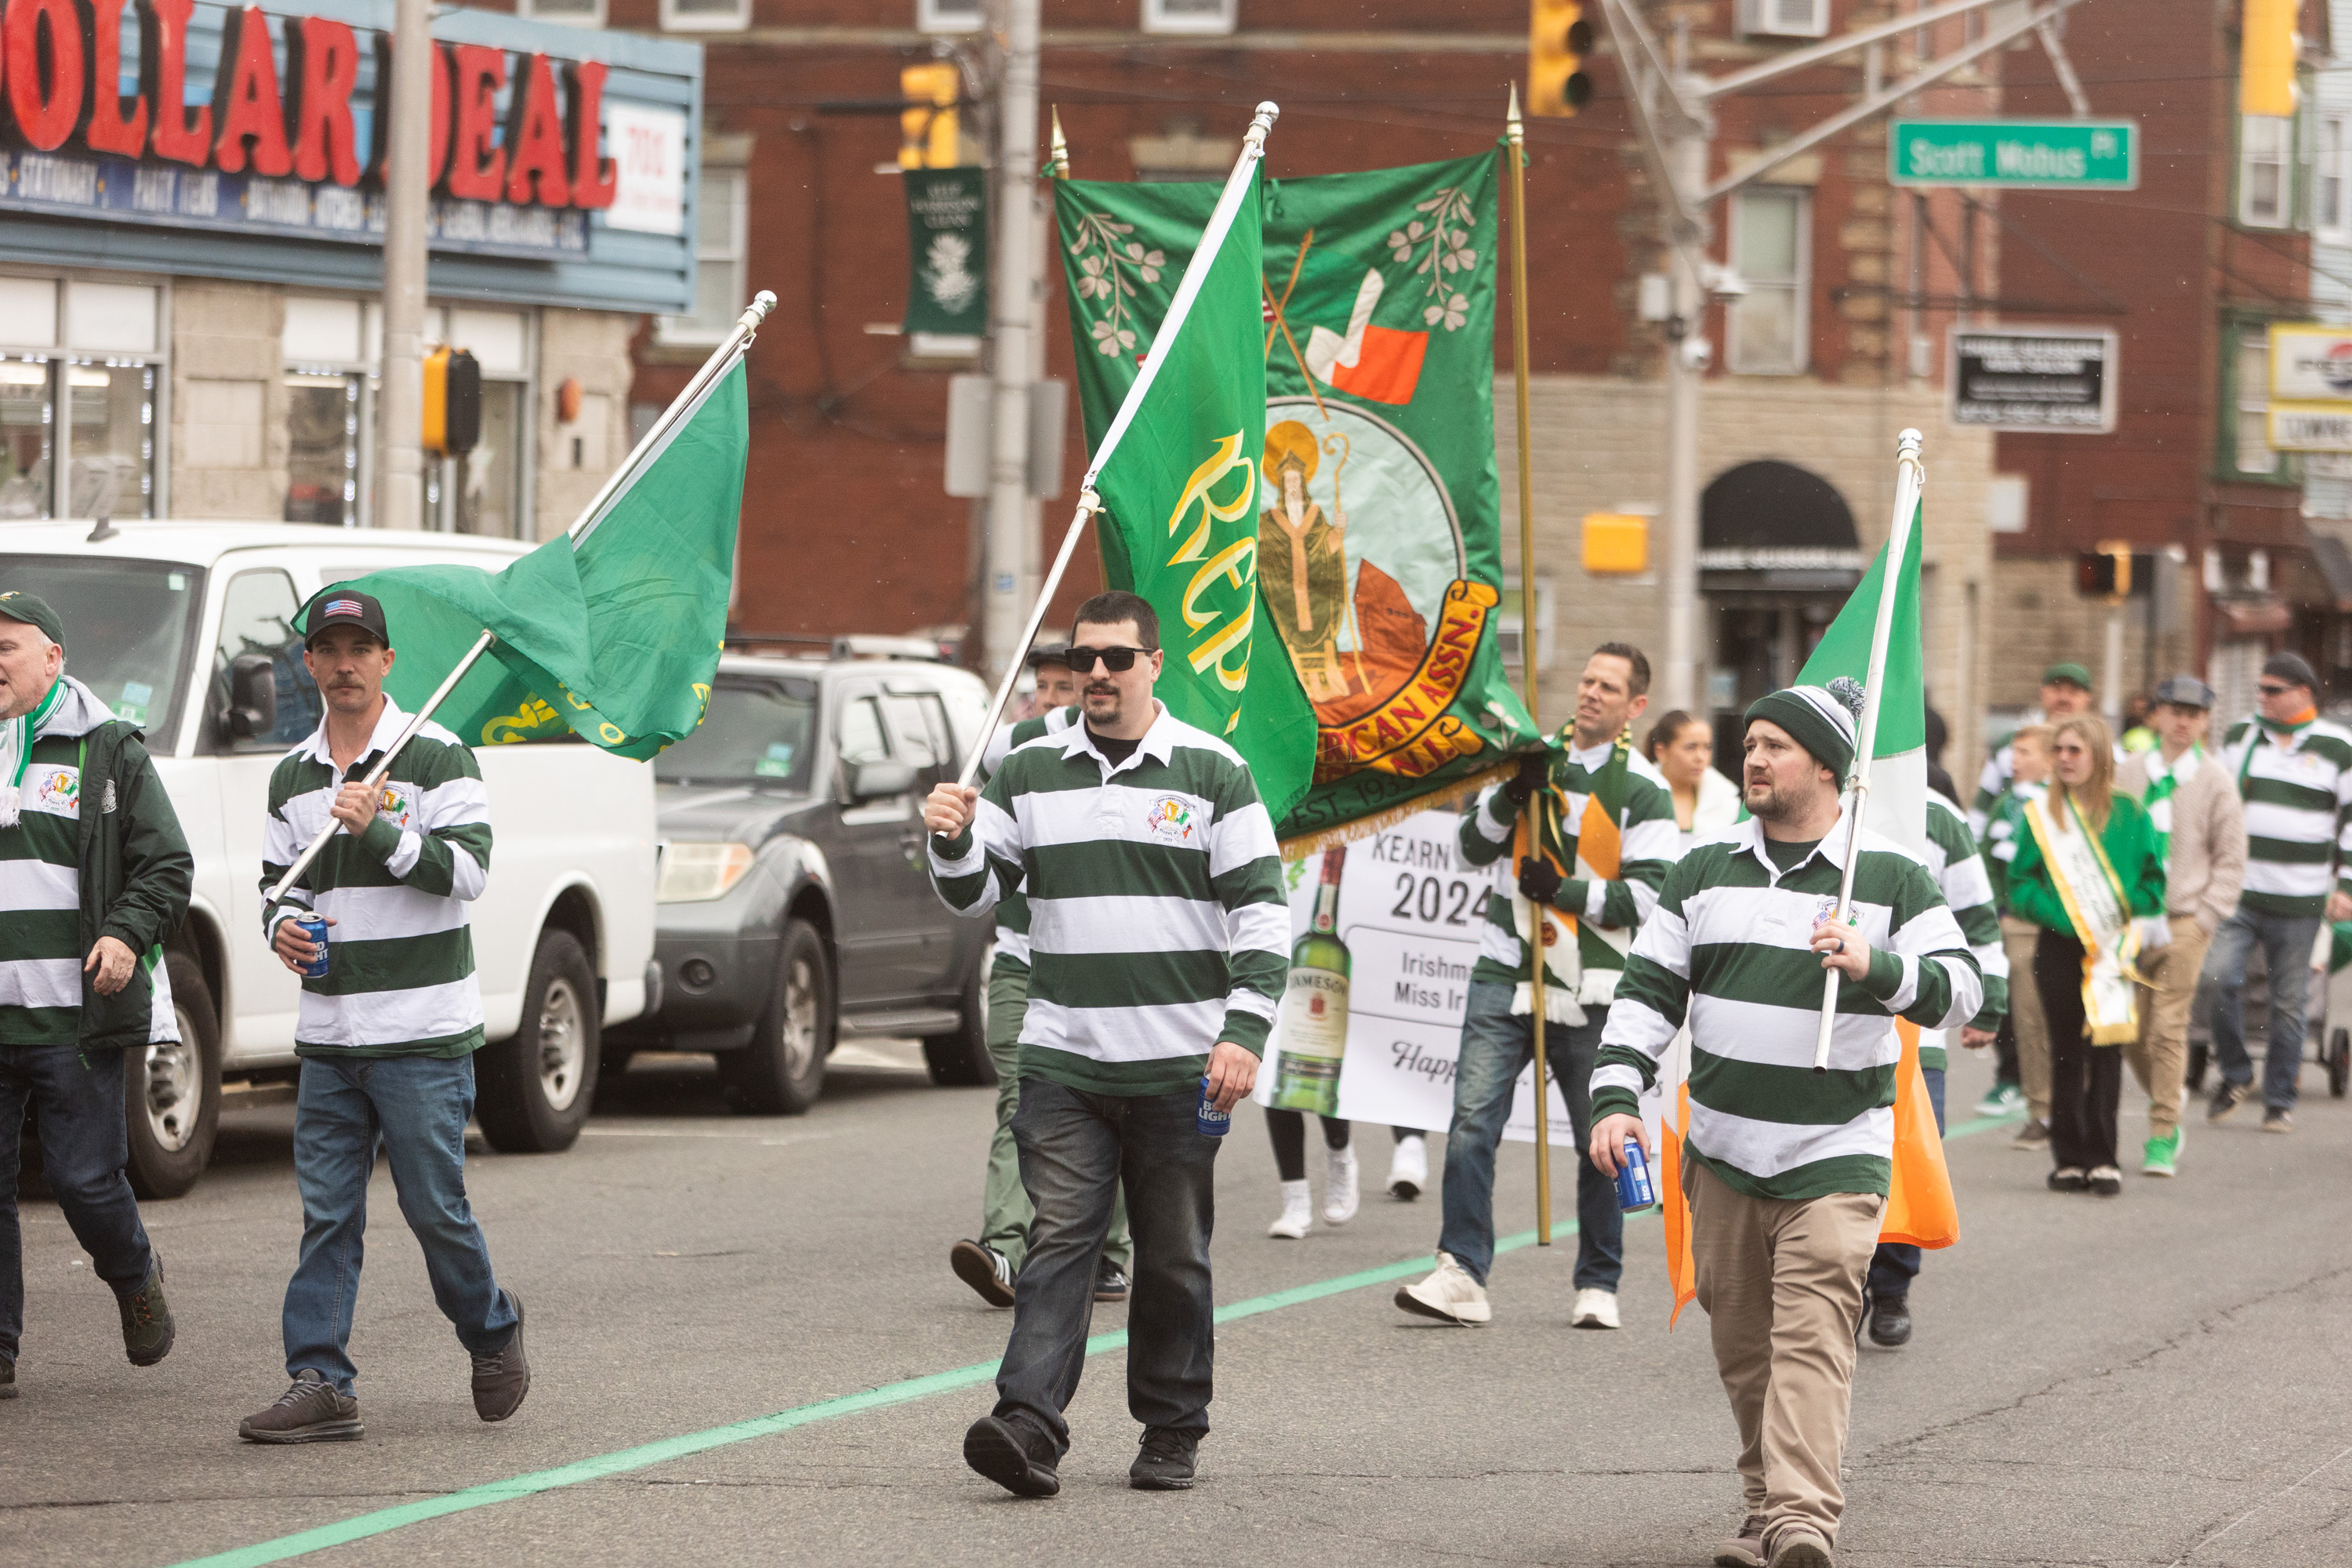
(781, 1071)
(961, 1060)
(172, 1093)
(534, 1091)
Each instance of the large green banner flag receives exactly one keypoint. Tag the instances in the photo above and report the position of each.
(614, 634)
(1180, 522)
(1377, 513)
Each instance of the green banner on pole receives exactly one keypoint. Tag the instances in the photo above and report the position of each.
(946, 239)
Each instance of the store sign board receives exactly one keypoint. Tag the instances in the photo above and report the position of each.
(2310, 427)
(650, 169)
(2310, 388)
(2051, 380)
(2032, 154)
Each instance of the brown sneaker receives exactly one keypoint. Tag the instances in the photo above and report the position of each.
(1745, 1550)
(310, 1411)
(1799, 1546)
(502, 1377)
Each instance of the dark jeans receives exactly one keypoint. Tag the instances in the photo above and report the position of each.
(2286, 942)
(1896, 1263)
(418, 1106)
(83, 1147)
(1075, 1147)
(1497, 1045)
(2087, 1082)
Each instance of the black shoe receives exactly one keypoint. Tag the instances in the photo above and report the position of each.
(310, 1411)
(1013, 1454)
(1165, 1461)
(1890, 1321)
(2228, 1097)
(985, 1269)
(502, 1377)
(147, 1326)
(2068, 1179)
(1110, 1282)
(8, 1378)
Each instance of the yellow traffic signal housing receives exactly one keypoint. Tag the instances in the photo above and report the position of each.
(928, 128)
(453, 402)
(1559, 38)
(2266, 58)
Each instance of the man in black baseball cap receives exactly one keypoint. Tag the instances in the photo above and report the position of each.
(342, 607)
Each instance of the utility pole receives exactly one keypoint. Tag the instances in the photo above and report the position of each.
(1013, 309)
(1678, 584)
(400, 400)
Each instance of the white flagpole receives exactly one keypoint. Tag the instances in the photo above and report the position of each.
(722, 360)
(1910, 478)
(1196, 273)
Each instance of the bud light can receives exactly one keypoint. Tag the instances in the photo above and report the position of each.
(314, 929)
(1634, 1188)
(1212, 1122)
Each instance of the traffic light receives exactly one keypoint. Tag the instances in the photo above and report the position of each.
(927, 133)
(453, 402)
(2266, 58)
(1559, 38)
(2105, 573)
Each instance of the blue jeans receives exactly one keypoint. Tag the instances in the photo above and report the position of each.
(2286, 942)
(1077, 1149)
(1496, 1046)
(83, 1147)
(1896, 1263)
(418, 1106)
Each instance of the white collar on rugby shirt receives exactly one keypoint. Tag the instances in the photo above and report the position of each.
(1831, 849)
(387, 730)
(1159, 742)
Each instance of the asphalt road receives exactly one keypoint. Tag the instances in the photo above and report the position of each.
(2158, 1379)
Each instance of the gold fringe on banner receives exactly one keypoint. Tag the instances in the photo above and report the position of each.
(1365, 827)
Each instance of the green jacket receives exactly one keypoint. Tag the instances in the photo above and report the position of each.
(2129, 839)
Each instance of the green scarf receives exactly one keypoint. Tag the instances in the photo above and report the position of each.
(2163, 778)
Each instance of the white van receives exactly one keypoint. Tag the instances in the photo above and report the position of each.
(187, 629)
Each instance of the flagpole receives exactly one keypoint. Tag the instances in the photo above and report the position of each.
(1910, 478)
(722, 360)
(1515, 133)
(1196, 272)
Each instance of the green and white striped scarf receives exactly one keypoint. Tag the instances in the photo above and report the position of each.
(2163, 779)
(16, 750)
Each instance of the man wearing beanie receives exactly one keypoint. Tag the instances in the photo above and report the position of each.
(1787, 1169)
(94, 874)
(2294, 773)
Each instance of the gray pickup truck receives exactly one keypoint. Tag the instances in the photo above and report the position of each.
(794, 907)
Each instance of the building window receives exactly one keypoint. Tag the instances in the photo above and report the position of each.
(1771, 249)
(705, 16)
(719, 247)
(1190, 15)
(80, 382)
(2265, 149)
(948, 15)
(1787, 19)
(2250, 451)
(569, 13)
(2327, 194)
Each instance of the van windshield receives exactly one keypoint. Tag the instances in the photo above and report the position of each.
(757, 731)
(130, 626)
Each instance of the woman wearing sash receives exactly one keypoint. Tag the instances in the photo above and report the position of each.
(2088, 872)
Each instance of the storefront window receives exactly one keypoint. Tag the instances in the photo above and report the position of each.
(95, 346)
(112, 468)
(28, 425)
(322, 449)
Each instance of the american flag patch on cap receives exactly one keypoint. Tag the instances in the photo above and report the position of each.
(342, 607)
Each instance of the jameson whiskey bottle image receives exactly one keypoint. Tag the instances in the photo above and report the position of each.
(1313, 1018)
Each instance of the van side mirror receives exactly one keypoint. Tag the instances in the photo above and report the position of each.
(877, 778)
(252, 696)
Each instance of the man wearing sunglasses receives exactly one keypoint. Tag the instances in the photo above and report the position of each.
(1159, 940)
(2294, 773)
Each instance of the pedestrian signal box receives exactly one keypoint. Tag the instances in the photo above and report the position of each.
(1559, 38)
(453, 402)
(1616, 544)
(2105, 573)
(928, 133)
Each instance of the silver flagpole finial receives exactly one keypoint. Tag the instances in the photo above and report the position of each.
(761, 303)
(1254, 139)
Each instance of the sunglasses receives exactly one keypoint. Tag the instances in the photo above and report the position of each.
(1117, 660)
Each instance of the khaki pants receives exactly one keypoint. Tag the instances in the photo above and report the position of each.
(1781, 1283)
(2160, 1056)
(2017, 939)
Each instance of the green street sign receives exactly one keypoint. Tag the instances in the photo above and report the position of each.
(2034, 154)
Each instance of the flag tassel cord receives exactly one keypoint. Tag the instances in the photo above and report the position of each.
(1212, 238)
(722, 360)
(1910, 478)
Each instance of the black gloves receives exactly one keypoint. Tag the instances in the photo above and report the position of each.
(1535, 771)
(1539, 882)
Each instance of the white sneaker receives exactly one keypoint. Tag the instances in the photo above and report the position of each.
(1340, 1195)
(1594, 1310)
(1297, 1211)
(1449, 1294)
(1409, 1169)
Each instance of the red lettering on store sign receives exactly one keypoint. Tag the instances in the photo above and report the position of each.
(245, 104)
(322, 66)
(182, 134)
(535, 137)
(436, 119)
(593, 179)
(46, 67)
(117, 125)
(476, 165)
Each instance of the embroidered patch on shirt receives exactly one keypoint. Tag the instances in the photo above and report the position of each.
(57, 791)
(1170, 819)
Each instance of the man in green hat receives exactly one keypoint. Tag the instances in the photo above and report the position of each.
(2066, 690)
(94, 873)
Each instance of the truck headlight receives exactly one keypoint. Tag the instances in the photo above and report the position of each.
(696, 873)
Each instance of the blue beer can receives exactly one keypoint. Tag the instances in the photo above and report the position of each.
(314, 929)
(1212, 1122)
(1634, 1188)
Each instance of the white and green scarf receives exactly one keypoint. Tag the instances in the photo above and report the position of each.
(68, 709)
(2163, 780)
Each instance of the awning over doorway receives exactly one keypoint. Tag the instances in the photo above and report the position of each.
(1774, 525)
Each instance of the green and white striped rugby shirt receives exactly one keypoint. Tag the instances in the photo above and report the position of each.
(1728, 948)
(400, 976)
(1959, 868)
(1158, 924)
(2298, 797)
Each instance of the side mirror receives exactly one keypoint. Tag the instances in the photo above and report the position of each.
(882, 776)
(252, 696)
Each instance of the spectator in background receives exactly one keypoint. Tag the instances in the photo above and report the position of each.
(2139, 734)
(1682, 749)
(2027, 1076)
(1938, 779)
(2065, 691)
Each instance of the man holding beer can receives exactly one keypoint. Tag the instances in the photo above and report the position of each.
(1159, 940)
(1786, 1169)
(389, 1020)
